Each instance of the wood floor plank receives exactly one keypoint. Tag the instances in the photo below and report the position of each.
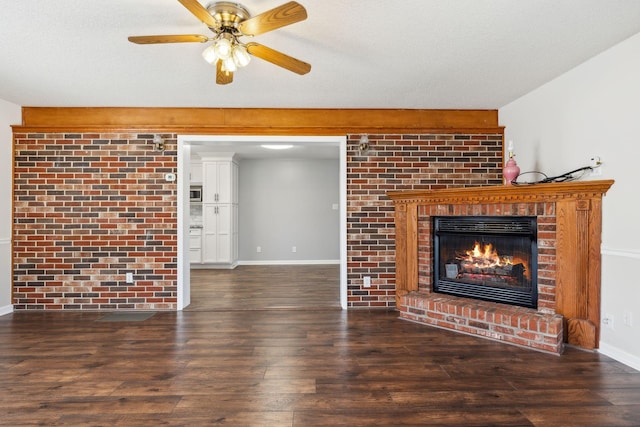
(601, 416)
(434, 418)
(589, 379)
(499, 398)
(622, 396)
(217, 416)
(412, 385)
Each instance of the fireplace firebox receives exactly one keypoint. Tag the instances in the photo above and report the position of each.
(492, 258)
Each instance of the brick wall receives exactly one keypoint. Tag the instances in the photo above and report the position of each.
(396, 163)
(87, 209)
(90, 207)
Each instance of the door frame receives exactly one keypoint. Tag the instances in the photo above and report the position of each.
(184, 161)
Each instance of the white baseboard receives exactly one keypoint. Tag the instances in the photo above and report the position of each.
(620, 252)
(291, 262)
(620, 355)
(5, 276)
(7, 309)
(198, 266)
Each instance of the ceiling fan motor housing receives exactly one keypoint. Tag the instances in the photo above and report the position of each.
(228, 14)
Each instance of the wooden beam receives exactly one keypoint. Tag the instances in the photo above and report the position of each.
(258, 121)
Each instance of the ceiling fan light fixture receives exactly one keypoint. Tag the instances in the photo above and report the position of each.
(240, 55)
(209, 54)
(228, 65)
(223, 46)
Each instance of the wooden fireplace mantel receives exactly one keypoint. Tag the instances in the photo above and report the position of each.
(505, 193)
(578, 208)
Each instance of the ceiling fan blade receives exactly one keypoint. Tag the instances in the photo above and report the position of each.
(288, 13)
(200, 12)
(186, 38)
(223, 77)
(278, 58)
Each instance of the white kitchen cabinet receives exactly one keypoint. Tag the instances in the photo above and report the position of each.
(195, 245)
(195, 176)
(217, 233)
(220, 211)
(219, 181)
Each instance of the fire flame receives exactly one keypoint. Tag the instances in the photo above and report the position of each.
(485, 256)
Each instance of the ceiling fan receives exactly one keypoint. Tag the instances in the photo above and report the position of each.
(229, 22)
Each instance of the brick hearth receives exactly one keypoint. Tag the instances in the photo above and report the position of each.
(569, 223)
(515, 325)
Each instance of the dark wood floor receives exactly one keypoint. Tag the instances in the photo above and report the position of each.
(266, 287)
(293, 367)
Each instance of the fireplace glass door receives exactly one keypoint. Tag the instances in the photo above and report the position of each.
(487, 258)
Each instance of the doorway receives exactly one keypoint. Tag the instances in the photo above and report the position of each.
(186, 144)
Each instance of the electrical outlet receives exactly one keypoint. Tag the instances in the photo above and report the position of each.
(258, 249)
(294, 249)
(607, 320)
(129, 277)
(627, 318)
(366, 282)
(596, 165)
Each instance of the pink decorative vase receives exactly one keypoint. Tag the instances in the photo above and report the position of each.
(510, 171)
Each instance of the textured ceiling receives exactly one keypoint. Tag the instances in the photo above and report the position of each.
(364, 53)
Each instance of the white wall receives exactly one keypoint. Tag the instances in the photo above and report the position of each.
(9, 115)
(594, 110)
(285, 203)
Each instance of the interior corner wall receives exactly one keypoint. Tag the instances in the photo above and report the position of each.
(594, 110)
(9, 115)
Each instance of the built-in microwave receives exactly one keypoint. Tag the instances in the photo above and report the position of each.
(195, 193)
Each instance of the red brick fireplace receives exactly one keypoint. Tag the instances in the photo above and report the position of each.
(568, 275)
